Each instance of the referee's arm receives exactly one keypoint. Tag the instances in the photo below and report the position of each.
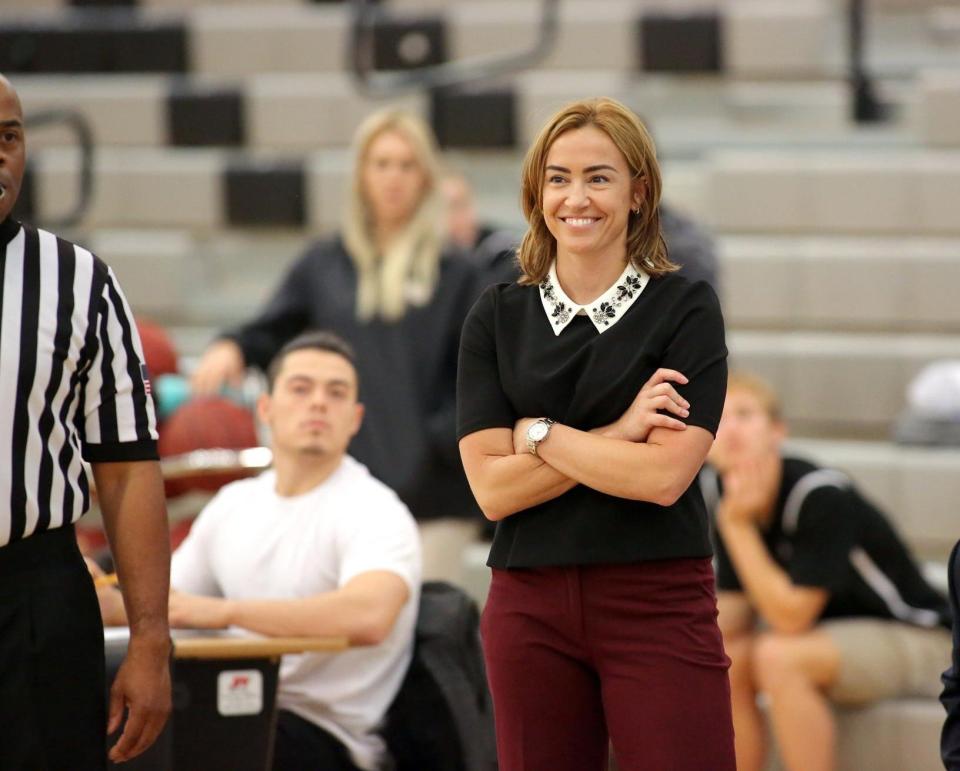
(120, 444)
(134, 515)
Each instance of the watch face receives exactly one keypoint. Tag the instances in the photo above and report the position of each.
(537, 432)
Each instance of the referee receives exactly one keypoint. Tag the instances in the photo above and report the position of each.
(72, 388)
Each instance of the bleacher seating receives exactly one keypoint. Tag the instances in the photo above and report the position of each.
(839, 384)
(901, 284)
(900, 192)
(222, 147)
(894, 734)
(939, 107)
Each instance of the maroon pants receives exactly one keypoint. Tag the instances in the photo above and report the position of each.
(577, 655)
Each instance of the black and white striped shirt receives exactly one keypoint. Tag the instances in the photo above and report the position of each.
(73, 386)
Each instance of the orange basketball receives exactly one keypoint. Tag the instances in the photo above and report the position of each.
(158, 349)
(206, 423)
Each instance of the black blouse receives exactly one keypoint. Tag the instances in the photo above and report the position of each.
(513, 365)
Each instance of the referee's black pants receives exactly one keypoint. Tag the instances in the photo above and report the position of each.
(52, 707)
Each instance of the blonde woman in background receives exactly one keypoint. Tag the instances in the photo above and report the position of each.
(385, 285)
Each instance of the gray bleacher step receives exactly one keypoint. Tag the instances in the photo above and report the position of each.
(835, 385)
(870, 192)
(905, 284)
(174, 277)
(891, 735)
(937, 109)
(297, 110)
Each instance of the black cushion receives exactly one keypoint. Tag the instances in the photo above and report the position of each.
(265, 193)
(204, 117)
(405, 44)
(94, 40)
(474, 118)
(680, 42)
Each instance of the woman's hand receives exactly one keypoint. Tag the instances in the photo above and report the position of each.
(642, 415)
(221, 363)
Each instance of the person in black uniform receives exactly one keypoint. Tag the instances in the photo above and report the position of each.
(384, 285)
(950, 738)
(820, 600)
(601, 617)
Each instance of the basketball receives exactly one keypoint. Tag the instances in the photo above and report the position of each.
(158, 349)
(206, 423)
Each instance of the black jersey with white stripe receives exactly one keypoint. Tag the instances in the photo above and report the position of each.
(73, 383)
(826, 534)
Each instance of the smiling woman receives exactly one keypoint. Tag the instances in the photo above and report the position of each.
(587, 208)
(588, 397)
(597, 155)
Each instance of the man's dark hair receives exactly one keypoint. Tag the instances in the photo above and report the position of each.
(310, 341)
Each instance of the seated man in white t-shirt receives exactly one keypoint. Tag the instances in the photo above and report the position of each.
(314, 547)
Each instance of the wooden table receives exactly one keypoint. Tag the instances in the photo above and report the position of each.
(236, 647)
(224, 698)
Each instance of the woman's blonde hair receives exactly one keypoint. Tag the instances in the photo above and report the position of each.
(407, 272)
(645, 245)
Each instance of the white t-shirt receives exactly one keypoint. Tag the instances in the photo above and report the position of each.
(250, 543)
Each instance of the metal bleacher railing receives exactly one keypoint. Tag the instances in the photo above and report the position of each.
(79, 126)
(360, 55)
(866, 108)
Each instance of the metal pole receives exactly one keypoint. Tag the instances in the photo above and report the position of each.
(866, 107)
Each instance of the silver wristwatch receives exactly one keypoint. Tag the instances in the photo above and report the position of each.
(537, 432)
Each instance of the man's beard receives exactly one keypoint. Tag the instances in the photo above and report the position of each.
(313, 451)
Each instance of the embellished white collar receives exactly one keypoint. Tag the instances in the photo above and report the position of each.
(604, 312)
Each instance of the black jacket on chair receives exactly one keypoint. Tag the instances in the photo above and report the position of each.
(442, 717)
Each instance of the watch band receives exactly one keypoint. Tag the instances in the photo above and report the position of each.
(532, 444)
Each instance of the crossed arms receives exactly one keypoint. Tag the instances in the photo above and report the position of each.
(645, 455)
